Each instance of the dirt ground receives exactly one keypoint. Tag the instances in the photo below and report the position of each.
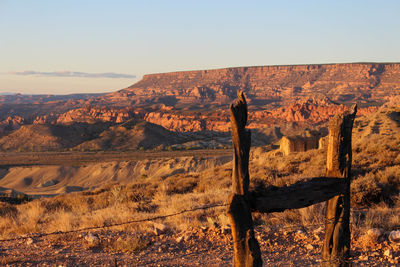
(194, 247)
(10, 159)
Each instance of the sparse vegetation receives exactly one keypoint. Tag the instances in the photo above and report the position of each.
(375, 188)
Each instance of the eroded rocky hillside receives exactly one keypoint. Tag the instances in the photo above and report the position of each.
(361, 82)
(288, 97)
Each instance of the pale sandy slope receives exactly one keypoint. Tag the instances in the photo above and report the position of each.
(50, 180)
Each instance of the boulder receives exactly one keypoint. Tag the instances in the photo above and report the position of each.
(91, 238)
(374, 233)
(388, 253)
(394, 236)
(159, 228)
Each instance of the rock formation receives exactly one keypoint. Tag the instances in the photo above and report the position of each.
(299, 143)
(90, 114)
(309, 111)
(192, 101)
(343, 83)
(11, 123)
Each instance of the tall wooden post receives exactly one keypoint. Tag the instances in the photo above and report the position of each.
(336, 247)
(246, 248)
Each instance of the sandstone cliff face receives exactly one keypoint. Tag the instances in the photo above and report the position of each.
(177, 122)
(91, 114)
(362, 82)
(198, 100)
(45, 119)
(309, 111)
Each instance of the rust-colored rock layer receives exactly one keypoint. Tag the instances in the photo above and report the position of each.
(362, 82)
(197, 100)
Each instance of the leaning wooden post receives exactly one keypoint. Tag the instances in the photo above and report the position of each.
(336, 247)
(246, 248)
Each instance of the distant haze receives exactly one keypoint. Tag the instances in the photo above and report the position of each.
(62, 47)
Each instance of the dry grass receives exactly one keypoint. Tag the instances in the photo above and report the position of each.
(383, 217)
(376, 184)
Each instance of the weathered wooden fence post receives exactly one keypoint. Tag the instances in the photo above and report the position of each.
(334, 188)
(246, 248)
(336, 247)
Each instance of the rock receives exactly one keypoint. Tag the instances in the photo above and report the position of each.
(91, 238)
(375, 254)
(394, 236)
(318, 230)
(179, 239)
(309, 247)
(375, 233)
(187, 237)
(49, 183)
(29, 241)
(388, 253)
(300, 234)
(11, 124)
(204, 228)
(159, 228)
(363, 257)
(216, 86)
(91, 114)
(9, 192)
(212, 222)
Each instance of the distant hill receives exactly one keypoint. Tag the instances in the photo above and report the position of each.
(47, 137)
(367, 83)
(12, 98)
(192, 101)
(31, 106)
(7, 93)
(132, 135)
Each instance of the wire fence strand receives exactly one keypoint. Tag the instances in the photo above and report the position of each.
(36, 235)
(206, 207)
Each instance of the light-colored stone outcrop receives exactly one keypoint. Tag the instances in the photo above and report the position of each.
(299, 143)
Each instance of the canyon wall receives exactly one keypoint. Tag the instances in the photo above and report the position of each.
(198, 100)
(362, 82)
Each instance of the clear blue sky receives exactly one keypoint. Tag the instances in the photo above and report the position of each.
(139, 37)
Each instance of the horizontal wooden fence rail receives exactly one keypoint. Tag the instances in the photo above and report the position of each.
(299, 195)
(334, 189)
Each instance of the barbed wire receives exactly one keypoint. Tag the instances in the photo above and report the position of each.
(206, 207)
(36, 235)
(301, 225)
